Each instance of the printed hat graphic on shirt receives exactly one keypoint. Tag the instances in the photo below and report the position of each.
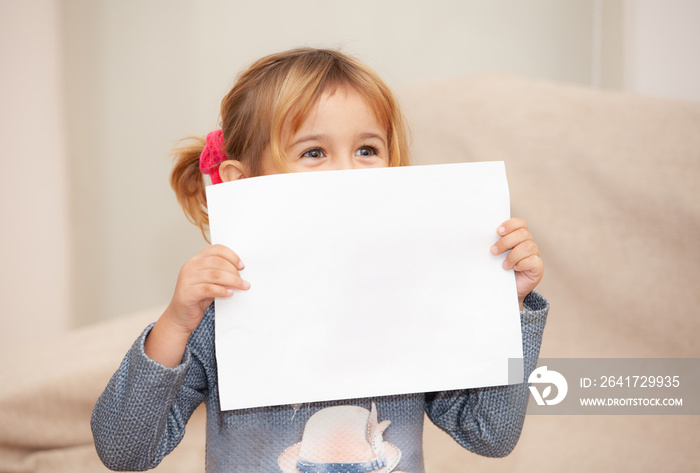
(342, 438)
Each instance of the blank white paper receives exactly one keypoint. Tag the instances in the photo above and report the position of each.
(364, 283)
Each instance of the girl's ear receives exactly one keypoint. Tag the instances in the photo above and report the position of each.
(232, 170)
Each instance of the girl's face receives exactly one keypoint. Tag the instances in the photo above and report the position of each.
(341, 132)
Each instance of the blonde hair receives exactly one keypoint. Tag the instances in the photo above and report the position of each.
(277, 91)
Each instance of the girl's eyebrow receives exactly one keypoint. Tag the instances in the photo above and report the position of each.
(320, 137)
(306, 138)
(370, 135)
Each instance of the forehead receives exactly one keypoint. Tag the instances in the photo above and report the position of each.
(338, 104)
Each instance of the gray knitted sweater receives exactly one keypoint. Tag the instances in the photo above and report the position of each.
(142, 413)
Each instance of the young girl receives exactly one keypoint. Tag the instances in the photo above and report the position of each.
(302, 110)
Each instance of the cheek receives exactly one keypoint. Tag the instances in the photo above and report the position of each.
(268, 165)
(295, 166)
(384, 163)
(269, 168)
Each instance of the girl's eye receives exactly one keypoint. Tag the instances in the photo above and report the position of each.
(366, 151)
(314, 153)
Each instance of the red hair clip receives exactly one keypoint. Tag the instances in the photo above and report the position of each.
(212, 155)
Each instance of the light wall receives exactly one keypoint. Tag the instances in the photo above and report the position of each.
(96, 93)
(662, 45)
(35, 257)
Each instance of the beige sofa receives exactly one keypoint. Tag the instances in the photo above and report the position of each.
(610, 185)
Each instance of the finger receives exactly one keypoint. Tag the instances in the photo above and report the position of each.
(223, 288)
(511, 240)
(215, 276)
(511, 225)
(532, 265)
(224, 252)
(520, 252)
(216, 262)
(209, 267)
(195, 294)
(207, 291)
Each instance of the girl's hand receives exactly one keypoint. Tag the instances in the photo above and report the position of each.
(213, 272)
(524, 256)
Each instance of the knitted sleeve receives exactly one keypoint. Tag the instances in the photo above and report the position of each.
(488, 421)
(141, 415)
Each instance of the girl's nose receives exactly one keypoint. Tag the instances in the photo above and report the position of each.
(345, 163)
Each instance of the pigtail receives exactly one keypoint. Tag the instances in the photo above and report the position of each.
(188, 183)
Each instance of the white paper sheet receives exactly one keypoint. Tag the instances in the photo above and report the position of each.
(364, 283)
